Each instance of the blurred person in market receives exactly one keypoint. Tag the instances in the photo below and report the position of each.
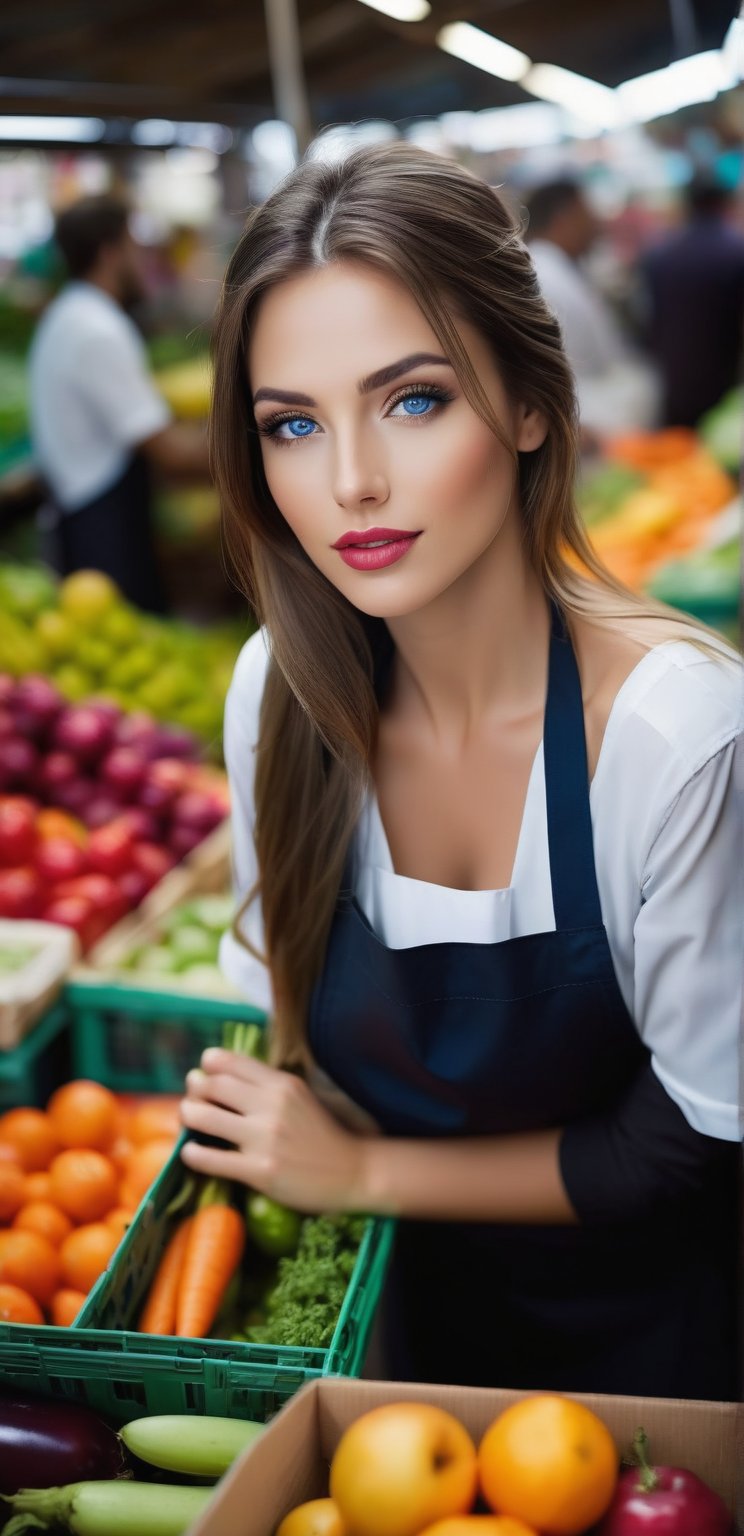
(486, 830)
(694, 283)
(617, 389)
(99, 426)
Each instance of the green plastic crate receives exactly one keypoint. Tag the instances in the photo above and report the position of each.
(116, 1300)
(125, 1376)
(136, 1041)
(30, 1072)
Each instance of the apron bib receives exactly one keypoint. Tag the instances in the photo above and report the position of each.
(460, 1039)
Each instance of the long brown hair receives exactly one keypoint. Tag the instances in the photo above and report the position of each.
(449, 238)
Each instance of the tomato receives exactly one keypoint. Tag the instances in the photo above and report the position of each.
(17, 830)
(21, 892)
(274, 1228)
(110, 849)
(100, 891)
(59, 858)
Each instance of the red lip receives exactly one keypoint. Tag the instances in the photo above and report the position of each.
(373, 535)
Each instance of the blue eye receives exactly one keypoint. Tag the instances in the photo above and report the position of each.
(299, 426)
(417, 405)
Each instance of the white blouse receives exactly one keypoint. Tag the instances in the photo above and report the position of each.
(667, 806)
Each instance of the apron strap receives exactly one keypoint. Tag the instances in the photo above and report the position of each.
(573, 875)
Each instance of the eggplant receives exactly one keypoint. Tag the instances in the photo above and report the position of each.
(43, 1444)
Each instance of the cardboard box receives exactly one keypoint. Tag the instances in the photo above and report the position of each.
(28, 993)
(289, 1463)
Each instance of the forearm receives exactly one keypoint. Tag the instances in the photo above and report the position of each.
(500, 1179)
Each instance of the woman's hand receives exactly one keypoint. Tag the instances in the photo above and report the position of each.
(285, 1144)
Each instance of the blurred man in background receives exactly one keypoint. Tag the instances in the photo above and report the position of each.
(617, 390)
(695, 293)
(98, 424)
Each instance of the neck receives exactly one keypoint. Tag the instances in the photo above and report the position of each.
(106, 282)
(480, 649)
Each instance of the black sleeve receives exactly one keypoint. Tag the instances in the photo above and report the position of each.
(636, 1158)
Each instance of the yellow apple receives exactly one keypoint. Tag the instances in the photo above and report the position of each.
(318, 1518)
(480, 1525)
(401, 1467)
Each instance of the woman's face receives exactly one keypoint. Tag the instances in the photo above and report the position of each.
(391, 482)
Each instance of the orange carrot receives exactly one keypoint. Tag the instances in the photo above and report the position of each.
(159, 1312)
(213, 1253)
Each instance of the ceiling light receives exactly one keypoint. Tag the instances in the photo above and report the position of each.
(682, 84)
(66, 130)
(584, 98)
(482, 50)
(154, 132)
(401, 10)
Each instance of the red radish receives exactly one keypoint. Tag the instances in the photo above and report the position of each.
(152, 861)
(17, 830)
(84, 731)
(21, 892)
(663, 1501)
(59, 858)
(18, 761)
(124, 769)
(55, 769)
(110, 849)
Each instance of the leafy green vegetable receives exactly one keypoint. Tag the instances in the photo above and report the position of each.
(303, 1307)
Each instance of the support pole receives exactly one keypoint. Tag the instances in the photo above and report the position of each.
(285, 53)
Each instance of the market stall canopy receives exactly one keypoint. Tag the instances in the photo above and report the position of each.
(182, 60)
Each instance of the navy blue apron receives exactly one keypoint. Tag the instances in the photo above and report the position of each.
(461, 1039)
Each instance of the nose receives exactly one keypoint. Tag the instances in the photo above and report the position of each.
(359, 476)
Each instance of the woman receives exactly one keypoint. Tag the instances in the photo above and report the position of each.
(484, 811)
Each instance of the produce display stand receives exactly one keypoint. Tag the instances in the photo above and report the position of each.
(28, 993)
(122, 1374)
(33, 1069)
(139, 1041)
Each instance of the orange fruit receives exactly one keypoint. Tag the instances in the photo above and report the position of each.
(120, 1152)
(153, 1120)
(30, 1262)
(16, 1306)
(550, 1462)
(142, 1168)
(85, 1254)
(51, 822)
(12, 1187)
(84, 1183)
(38, 1186)
(321, 1517)
(480, 1525)
(84, 1114)
(46, 1219)
(118, 1220)
(32, 1135)
(65, 1307)
(9, 1154)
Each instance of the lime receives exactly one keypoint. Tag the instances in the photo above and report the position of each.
(273, 1228)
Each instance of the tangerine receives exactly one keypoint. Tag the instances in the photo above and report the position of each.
(29, 1261)
(153, 1120)
(65, 1306)
(84, 1183)
(12, 1189)
(142, 1168)
(320, 1517)
(550, 1462)
(16, 1306)
(32, 1135)
(486, 1525)
(38, 1186)
(85, 1254)
(119, 1220)
(84, 1114)
(46, 1219)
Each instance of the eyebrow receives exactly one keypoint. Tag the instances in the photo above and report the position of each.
(373, 381)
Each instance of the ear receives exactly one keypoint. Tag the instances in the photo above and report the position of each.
(532, 429)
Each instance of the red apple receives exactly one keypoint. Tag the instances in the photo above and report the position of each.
(183, 840)
(74, 795)
(134, 886)
(59, 858)
(144, 827)
(152, 861)
(110, 849)
(123, 768)
(20, 892)
(17, 830)
(69, 911)
(83, 731)
(35, 705)
(197, 809)
(102, 809)
(54, 770)
(170, 773)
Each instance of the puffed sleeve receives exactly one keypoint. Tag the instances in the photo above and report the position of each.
(242, 710)
(660, 1140)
